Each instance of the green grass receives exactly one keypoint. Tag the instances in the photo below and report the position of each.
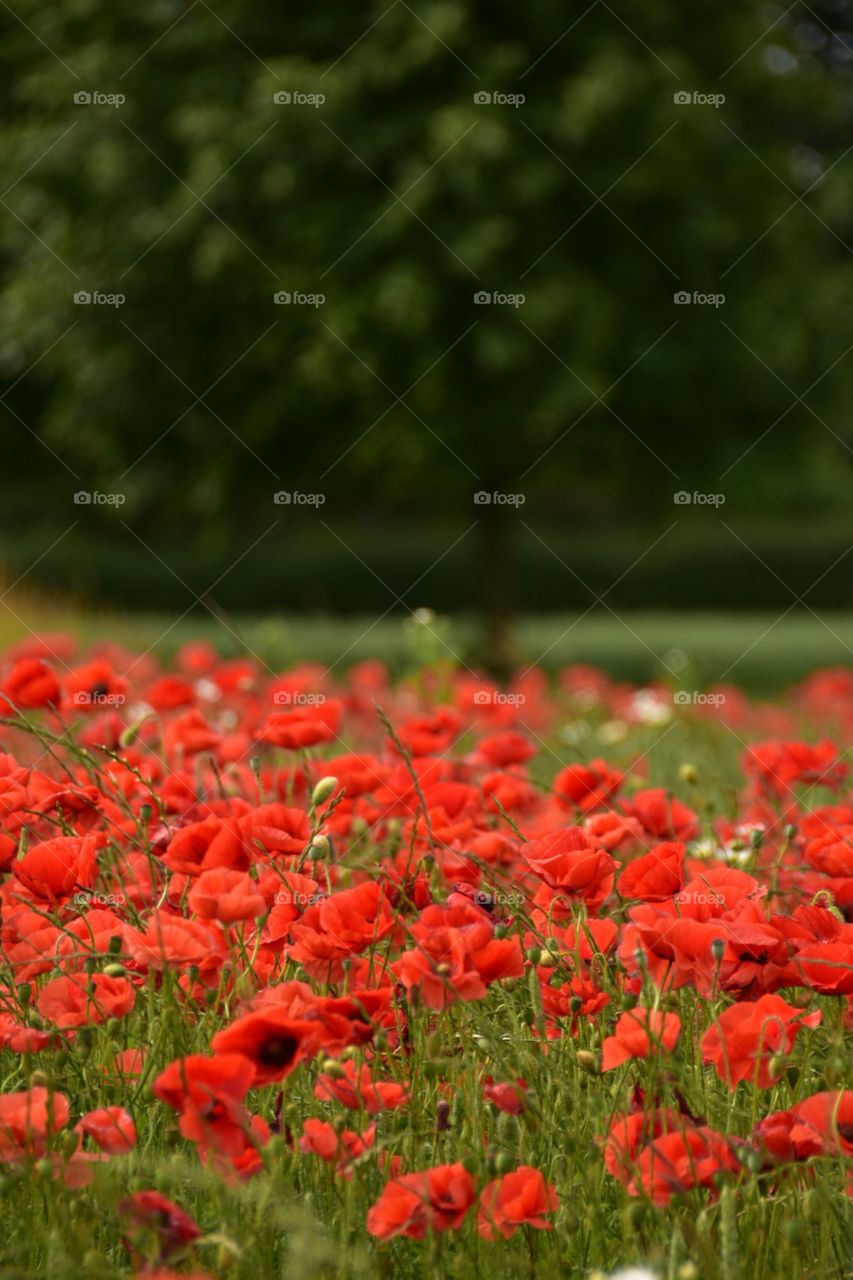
(762, 652)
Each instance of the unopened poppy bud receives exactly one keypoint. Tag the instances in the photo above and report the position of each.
(44, 1167)
(131, 733)
(442, 1116)
(192, 974)
(790, 831)
(319, 848)
(753, 1160)
(37, 1079)
(114, 970)
(587, 1062)
(834, 1072)
(687, 1271)
(471, 1164)
(333, 1068)
(114, 946)
(504, 1162)
(145, 812)
(325, 787)
(689, 774)
(25, 992)
(359, 827)
(718, 949)
(534, 955)
(778, 1063)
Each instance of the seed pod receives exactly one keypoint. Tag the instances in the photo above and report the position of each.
(324, 788)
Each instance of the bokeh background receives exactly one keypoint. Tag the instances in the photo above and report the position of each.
(189, 166)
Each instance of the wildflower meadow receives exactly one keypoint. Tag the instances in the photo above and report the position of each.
(307, 976)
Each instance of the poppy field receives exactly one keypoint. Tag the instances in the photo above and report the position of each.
(320, 974)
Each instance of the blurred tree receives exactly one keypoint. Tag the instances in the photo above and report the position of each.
(220, 182)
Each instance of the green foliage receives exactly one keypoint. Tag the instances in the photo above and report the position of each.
(397, 198)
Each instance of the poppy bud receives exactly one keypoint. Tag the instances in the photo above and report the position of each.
(587, 1062)
(38, 1078)
(333, 1068)
(115, 945)
(25, 992)
(114, 970)
(687, 1271)
(131, 733)
(778, 1063)
(319, 848)
(534, 955)
(471, 1164)
(324, 788)
(718, 949)
(504, 1162)
(145, 812)
(688, 773)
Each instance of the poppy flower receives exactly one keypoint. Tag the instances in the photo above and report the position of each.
(640, 1033)
(662, 815)
(677, 1162)
(510, 1098)
(85, 1000)
(227, 896)
(339, 1148)
(29, 685)
(148, 1216)
(568, 861)
(28, 1120)
(272, 1040)
(306, 725)
(436, 1199)
(587, 786)
(208, 1094)
(356, 1089)
(111, 1128)
(823, 1125)
(200, 846)
(656, 876)
(518, 1199)
(55, 869)
(745, 1038)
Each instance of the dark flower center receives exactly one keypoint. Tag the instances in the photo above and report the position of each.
(278, 1052)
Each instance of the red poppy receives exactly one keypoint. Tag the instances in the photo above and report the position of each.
(662, 815)
(149, 1215)
(519, 1199)
(745, 1038)
(676, 1162)
(30, 684)
(227, 896)
(341, 1148)
(436, 1199)
(84, 1000)
(655, 876)
(273, 1040)
(208, 1093)
(356, 1089)
(587, 786)
(569, 862)
(55, 869)
(28, 1120)
(111, 1128)
(511, 1098)
(306, 725)
(640, 1033)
